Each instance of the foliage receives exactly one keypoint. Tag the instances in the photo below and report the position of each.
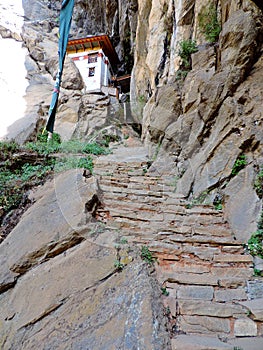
(123, 240)
(181, 74)
(43, 137)
(217, 202)
(186, 48)
(239, 164)
(209, 24)
(255, 243)
(7, 147)
(164, 291)
(118, 265)
(258, 272)
(147, 255)
(258, 184)
(218, 206)
(43, 148)
(13, 184)
(197, 200)
(67, 163)
(72, 146)
(16, 179)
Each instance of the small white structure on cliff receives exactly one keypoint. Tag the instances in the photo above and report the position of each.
(94, 57)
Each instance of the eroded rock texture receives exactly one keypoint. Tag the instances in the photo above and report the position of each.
(211, 117)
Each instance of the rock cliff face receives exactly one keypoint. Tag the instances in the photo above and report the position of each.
(196, 90)
(118, 19)
(210, 118)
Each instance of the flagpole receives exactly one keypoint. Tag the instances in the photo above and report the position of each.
(64, 28)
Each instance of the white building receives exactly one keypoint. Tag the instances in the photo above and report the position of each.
(93, 57)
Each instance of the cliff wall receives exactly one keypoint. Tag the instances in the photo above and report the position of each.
(206, 112)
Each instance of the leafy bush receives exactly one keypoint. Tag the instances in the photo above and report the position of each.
(43, 137)
(67, 163)
(13, 184)
(147, 255)
(258, 184)
(209, 24)
(186, 48)
(255, 243)
(239, 164)
(7, 147)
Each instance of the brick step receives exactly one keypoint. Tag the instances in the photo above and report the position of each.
(130, 226)
(198, 223)
(102, 163)
(133, 191)
(112, 197)
(135, 185)
(128, 205)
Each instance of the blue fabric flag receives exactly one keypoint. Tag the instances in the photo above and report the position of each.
(64, 28)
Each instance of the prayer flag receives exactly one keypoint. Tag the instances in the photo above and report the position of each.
(64, 28)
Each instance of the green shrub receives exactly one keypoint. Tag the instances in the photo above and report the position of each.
(209, 24)
(43, 135)
(7, 147)
(164, 291)
(258, 184)
(147, 255)
(67, 163)
(239, 164)
(186, 48)
(255, 243)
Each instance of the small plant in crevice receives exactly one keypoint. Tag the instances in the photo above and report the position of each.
(164, 291)
(258, 273)
(200, 199)
(239, 164)
(217, 202)
(123, 240)
(255, 242)
(118, 265)
(181, 74)
(147, 255)
(186, 49)
(258, 184)
(209, 24)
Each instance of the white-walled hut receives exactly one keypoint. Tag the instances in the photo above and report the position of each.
(94, 56)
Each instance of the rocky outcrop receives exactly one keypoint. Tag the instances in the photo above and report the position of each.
(215, 110)
(61, 289)
(203, 270)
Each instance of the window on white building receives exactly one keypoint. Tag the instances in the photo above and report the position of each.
(93, 58)
(91, 71)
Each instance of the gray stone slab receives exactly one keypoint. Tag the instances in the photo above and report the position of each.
(195, 292)
(226, 295)
(247, 343)
(204, 325)
(255, 289)
(196, 342)
(255, 307)
(245, 327)
(208, 308)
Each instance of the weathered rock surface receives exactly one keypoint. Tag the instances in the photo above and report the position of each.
(61, 290)
(201, 268)
(49, 227)
(90, 305)
(207, 120)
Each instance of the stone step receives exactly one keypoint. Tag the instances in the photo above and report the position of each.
(133, 191)
(199, 342)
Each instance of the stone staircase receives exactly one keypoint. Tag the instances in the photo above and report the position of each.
(201, 267)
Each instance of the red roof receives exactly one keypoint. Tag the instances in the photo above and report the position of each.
(90, 42)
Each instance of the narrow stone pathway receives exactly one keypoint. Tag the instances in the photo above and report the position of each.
(202, 269)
